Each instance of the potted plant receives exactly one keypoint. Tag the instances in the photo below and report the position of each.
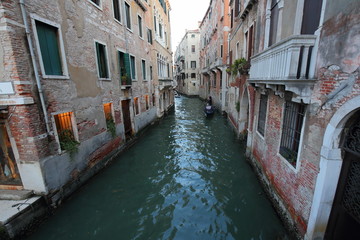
(124, 79)
(68, 142)
(240, 65)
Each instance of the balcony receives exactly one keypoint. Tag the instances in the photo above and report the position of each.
(289, 63)
(165, 82)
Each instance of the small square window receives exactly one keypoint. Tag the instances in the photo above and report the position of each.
(65, 131)
(193, 75)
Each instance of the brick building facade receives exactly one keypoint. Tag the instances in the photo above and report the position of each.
(298, 105)
(78, 81)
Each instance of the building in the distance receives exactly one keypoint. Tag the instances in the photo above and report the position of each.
(186, 61)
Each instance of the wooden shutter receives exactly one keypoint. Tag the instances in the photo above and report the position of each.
(127, 65)
(49, 48)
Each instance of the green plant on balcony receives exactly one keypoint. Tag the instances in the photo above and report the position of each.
(68, 142)
(240, 65)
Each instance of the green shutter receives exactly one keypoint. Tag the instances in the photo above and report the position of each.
(127, 64)
(49, 48)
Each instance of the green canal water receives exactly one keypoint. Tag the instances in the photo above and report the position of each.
(187, 178)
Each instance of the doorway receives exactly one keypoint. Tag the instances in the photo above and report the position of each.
(9, 173)
(125, 106)
(344, 221)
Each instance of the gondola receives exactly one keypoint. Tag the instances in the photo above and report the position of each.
(209, 110)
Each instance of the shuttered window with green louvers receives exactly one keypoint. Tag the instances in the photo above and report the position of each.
(125, 69)
(49, 48)
(102, 60)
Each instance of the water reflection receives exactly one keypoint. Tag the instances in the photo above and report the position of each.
(187, 179)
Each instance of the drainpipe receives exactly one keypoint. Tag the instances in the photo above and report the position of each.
(33, 60)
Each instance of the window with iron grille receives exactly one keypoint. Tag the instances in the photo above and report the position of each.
(262, 114)
(291, 131)
(64, 129)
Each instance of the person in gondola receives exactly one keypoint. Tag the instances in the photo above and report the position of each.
(209, 101)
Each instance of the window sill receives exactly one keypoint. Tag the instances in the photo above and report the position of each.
(95, 5)
(117, 21)
(105, 79)
(293, 168)
(129, 29)
(57, 77)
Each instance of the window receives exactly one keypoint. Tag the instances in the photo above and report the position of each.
(221, 50)
(96, 2)
(193, 64)
(128, 15)
(125, 68)
(108, 111)
(193, 75)
(160, 30)
(136, 105)
(109, 118)
(140, 26)
(155, 24)
(102, 64)
(149, 36)
(237, 7)
(151, 73)
(311, 17)
(192, 35)
(147, 102)
(143, 68)
(193, 48)
(153, 99)
(262, 114)
(274, 18)
(133, 67)
(116, 6)
(49, 40)
(291, 131)
(65, 132)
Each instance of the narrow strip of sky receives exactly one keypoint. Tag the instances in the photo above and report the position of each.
(185, 14)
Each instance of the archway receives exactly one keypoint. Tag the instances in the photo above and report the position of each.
(331, 162)
(344, 221)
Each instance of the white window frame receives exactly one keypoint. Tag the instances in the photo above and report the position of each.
(120, 9)
(266, 117)
(141, 30)
(296, 168)
(97, 6)
(130, 55)
(73, 125)
(64, 67)
(107, 60)
(142, 69)
(125, 21)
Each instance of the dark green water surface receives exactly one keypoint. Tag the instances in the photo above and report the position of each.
(187, 178)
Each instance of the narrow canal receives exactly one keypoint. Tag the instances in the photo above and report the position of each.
(186, 179)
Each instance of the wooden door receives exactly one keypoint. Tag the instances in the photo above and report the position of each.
(125, 105)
